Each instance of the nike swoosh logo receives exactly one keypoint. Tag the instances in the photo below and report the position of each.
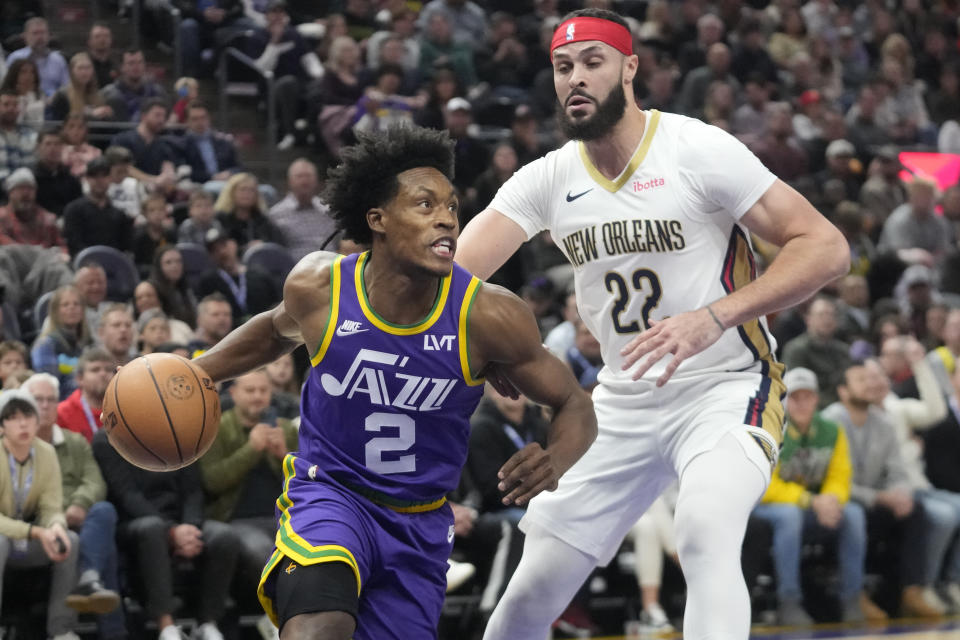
(571, 198)
(341, 332)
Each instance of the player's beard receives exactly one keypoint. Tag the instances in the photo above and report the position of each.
(608, 114)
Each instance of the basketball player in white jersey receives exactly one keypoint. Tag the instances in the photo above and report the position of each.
(655, 211)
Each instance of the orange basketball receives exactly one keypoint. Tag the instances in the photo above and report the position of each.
(161, 412)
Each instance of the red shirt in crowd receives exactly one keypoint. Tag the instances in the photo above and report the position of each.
(42, 231)
(78, 416)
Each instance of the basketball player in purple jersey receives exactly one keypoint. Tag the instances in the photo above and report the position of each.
(401, 338)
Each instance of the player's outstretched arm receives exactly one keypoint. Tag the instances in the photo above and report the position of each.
(813, 253)
(504, 334)
(488, 240)
(268, 335)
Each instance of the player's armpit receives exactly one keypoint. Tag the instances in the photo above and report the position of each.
(488, 240)
(503, 333)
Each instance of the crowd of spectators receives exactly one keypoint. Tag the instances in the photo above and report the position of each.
(827, 93)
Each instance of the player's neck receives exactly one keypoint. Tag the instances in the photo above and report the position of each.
(398, 296)
(611, 153)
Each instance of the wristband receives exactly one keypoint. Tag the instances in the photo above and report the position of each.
(715, 318)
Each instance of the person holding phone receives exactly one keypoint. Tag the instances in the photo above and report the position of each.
(33, 529)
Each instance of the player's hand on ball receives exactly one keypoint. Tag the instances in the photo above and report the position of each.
(682, 335)
(527, 473)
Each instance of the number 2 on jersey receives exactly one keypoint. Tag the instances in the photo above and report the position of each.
(619, 287)
(405, 438)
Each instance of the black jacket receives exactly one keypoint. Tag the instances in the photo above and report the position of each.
(57, 188)
(258, 227)
(941, 451)
(223, 150)
(85, 224)
(492, 444)
(262, 293)
(175, 496)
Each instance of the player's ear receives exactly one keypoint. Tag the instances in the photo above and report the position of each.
(375, 219)
(630, 65)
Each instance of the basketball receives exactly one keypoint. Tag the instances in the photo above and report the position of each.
(161, 412)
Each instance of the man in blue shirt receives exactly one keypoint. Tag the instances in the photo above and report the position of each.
(51, 66)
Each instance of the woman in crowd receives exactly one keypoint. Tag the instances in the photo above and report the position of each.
(789, 39)
(153, 330)
(77, 152)
(170, 282)
(63, 338)
(13, 358)
(443, 86)
(241, 211)
(145, 298)
(286, 387)
(23, 78)
(81, 95)
(339, 89)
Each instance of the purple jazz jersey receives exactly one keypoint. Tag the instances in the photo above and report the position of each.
(383, 437)
(386, 408)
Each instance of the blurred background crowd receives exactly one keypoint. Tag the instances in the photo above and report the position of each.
(131, 224)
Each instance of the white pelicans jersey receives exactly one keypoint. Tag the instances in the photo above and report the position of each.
(661, 239)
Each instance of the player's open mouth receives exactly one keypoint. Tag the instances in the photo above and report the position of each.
(443, 247)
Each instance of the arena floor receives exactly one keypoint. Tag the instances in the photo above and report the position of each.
(895, 630)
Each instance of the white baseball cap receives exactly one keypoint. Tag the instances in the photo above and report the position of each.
(458, 104)
(799, 379)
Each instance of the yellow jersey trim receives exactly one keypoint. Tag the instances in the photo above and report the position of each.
(399, 329)
(462, 337)
(638, 156)
(331, 325)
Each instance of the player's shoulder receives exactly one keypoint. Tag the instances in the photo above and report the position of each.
(500, 321)
(495, 307)
(689, 132)
(311, 275)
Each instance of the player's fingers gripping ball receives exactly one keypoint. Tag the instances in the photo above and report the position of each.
(161, 412)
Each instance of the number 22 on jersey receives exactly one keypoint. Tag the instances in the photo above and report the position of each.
(642, 281)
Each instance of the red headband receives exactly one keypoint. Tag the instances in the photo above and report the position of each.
(580, 29)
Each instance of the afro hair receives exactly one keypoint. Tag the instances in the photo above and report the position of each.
(366, 177)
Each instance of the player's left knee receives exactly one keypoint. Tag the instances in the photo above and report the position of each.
(707, 532)
(325, 625)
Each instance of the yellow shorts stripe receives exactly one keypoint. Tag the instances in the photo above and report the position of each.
(266, 601)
